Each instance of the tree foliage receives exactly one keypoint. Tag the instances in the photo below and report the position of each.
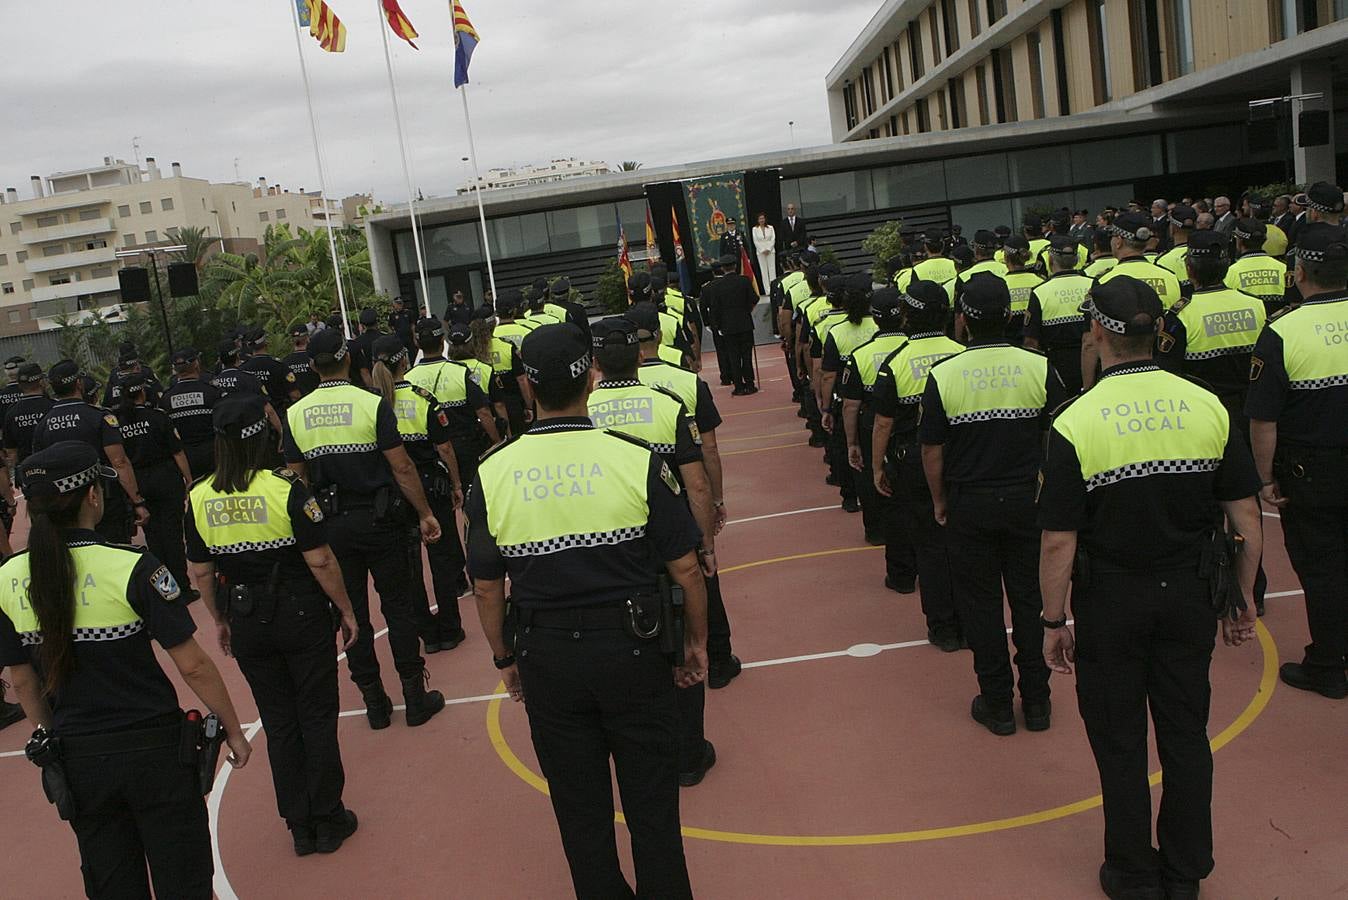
(883, 244)
(610, 291)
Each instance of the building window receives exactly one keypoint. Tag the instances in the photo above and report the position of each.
(1144, 29)
(7, 287)
(95, 245)
(914, 51)
(894, 125)
(887, 87)
(21, 256)
(280, 214)
(166, 204)
(897, 49)
(14, 314)
(981, 82)
(88, 215)
(996, 10)
(15, 227)
(1003, 85)
(262, 216)
(1181, 24)
(1096, 24)
(849, 107)
(923, 116)
(151, 236)
(975, 18)
(61, 278)
(1060, 63)
(1036, 52)
(4, 259)
(867, 92)
(146, 207)
(951, 24)
(53, 249)
(102, 272)
(123, 211)
(934, 33)
(955, 91)
(130, 239)
(48, 221)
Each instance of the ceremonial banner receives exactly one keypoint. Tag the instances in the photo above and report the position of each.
(710, 202)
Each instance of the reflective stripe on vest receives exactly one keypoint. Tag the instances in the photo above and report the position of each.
(993, 382)
(1060, 299)
(1100, 266)
(256, 518)
(675, 379)
(557, 312)
(1315, 344)
(336, 417)
(638, 410)
(447, 380)
(913, 361)
(539, 319)
(102, 612)
(1221, 323)
(870, 356)
(1020, 284)
(551, 492)
(848, 336)
(790, 286)
(676, 302)
(1144, 422)
(1258, 274)
(815, 312)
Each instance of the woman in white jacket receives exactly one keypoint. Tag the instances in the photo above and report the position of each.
(765, 245)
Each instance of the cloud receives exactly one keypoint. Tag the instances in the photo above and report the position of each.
(204, 83)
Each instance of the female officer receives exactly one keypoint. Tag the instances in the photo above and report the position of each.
(265, 533)
(471, 345)
(425, 428)
(77, 642)
(156, 455)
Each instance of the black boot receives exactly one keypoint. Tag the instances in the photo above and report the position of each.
(378, 707)
(421, 703)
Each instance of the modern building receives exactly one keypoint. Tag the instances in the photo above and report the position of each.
(58, 247)
(521, 176)
(1190, 135)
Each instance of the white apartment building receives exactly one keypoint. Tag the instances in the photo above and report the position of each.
(58, 246)
(554, 170)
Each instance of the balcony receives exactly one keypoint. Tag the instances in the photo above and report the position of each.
(75, 289)
(71, 260)
(89, 228)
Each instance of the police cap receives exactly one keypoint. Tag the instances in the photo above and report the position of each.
(1016, 243)
(334, 321)
(62, 468)
(1132, 226)
(1063, 245)
(228, 350)
(539, 287)
(30, 373)
(1183, 216)
(459, 334)
(829, 270)
(561, 287)
(241, 415)
(1002, 231)
(127, 356)
(509, 302)
(132, 382)
(327, 346)
(186, 356)
(64, 374)
(659, 275)
(886, 307)
(299, 329)
(932, 236)
(1322, 197)
(727, 261)
(1322, 242)
(483, 312)
(368, 316)
(809, 257)
(1252, 231)
(923, 295)
(1032, 220)
(640, 286)
(12, 364)
(555, 353)
(646, 317)
(389, 349)
(985, 240)
(1209, 244)
(615, 331)
(962, 256)
(985, 296)
(1061, 219)
(1124, 305)
(429, 327)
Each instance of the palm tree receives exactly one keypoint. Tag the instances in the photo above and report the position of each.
(199, 245)
(628, 165)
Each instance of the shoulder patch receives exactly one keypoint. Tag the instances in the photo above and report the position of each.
(491, 450)
(112, 420)
(1256, 368)
(1180, 304)
(423, 393)
(1280, 313)
(287, 474)
(1165, 341)
(670, 481)
(312, 511)
(629, 438)
(165, 584)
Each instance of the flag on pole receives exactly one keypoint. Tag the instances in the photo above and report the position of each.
(685, 277)
(624, 260)
(323, 24)
(652, 248)
(400, 24)
(465, 42)
(746, 268)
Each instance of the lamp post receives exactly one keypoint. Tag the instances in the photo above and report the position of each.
(792, 125)
(158, 289)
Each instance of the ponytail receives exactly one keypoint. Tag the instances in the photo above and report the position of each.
(384, 380)
(51, 585)
(481, 342)
(858, 306)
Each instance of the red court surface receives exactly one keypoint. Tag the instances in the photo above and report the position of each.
(848, 764)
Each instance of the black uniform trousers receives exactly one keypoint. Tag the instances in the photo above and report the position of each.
(718, 624)
(162, 487)
(139, 808)
(117, 524)
(200, 458)
(447, 573)
(287, 656)
(1315, 532)
(872, 512)
(722, 344)
(919, 534)
(364, 548)
(994, 540)
(597, 693)
(1145, 639)
(739, 357)
(835, 454)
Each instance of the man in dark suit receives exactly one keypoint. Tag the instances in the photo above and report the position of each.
(1283, 216)
(792, 233)
(731, 300)
(732, 241)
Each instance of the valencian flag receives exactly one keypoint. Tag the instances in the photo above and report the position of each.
(323, 24)
(685, 277)
(465, 42)
(652, 248)
(400, 24)
(747, 268)
(624, 260)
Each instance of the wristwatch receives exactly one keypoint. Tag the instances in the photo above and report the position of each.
(1053, 624)
(503, 662)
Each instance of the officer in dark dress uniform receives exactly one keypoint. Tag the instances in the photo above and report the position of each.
(1139, 472)
(107, 714)
(231, 377)
(578, 543)
(129, 364)
(400, 322)
(297, 361)
(279, 584)
(189, 404)
(1298, 409)
(984, 411)
(344, 441)
(560, 294)
(275, 377)
(22, 416)
(11, 392)
(71, 418)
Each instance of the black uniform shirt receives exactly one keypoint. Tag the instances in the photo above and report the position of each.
(9, 395)
(584, 576)
(21, 420)
(232, 379)
(148, 436)
(358, 474)
(75, 420)
(1149, 522)
(189, 404)
(117, 683)
(301, 367)
(273, 375)
(1314, 416)
(112, 394)
(255, 566)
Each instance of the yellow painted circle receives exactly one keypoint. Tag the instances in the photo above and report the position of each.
(1256, 706)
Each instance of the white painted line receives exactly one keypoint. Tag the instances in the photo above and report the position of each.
(223, 889)
(1284, 594)
(11, 753)
(791, 512)
(1271, 515)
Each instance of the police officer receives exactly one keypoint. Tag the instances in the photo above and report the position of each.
(1141, 499)
(1130, 233)
(71, 418)
(936, 267)
(538, 315)
(508, 326)
(275, 376)
(11, 392)
(471, 346)
(559, 296)
(811, 295)
(189, 404)
(792, 277)
(1021, 280)
(424, 423)
(983, 414)
(85, 671)
(577, 543)
(622, 402)
(400, 322)
(683, 313)
(128, 364)
(1182, 220)
(1053, 320)
(911, 529)
(231, 378)
(368, 324)
(297, 361)
(156, 455)
(984, 246)
(1032, 230)
(1253, 270)
(1102, 254)
(1298, 409)
(471, 419)
(22, 416)
(516, 393)
(344, 441)
(261, 532)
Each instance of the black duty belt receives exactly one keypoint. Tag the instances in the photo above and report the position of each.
(116, 742)
(606, 616)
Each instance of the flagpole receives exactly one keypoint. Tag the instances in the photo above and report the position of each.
(407, 172)
(477, 189)
(322, 180)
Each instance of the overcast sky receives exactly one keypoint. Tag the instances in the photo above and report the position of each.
(202, 83)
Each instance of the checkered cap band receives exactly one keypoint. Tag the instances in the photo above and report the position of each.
(973, 313)
(1317, 255)
(1142, 234)
(254, 429)
(1107, 322)
(78, 480)
(395, 358)
(576, 369)
(1240, 234)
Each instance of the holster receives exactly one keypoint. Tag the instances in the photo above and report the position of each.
(671, 619)
(389, 506)
(44, 751)
(1217, 566)
(328, 500)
